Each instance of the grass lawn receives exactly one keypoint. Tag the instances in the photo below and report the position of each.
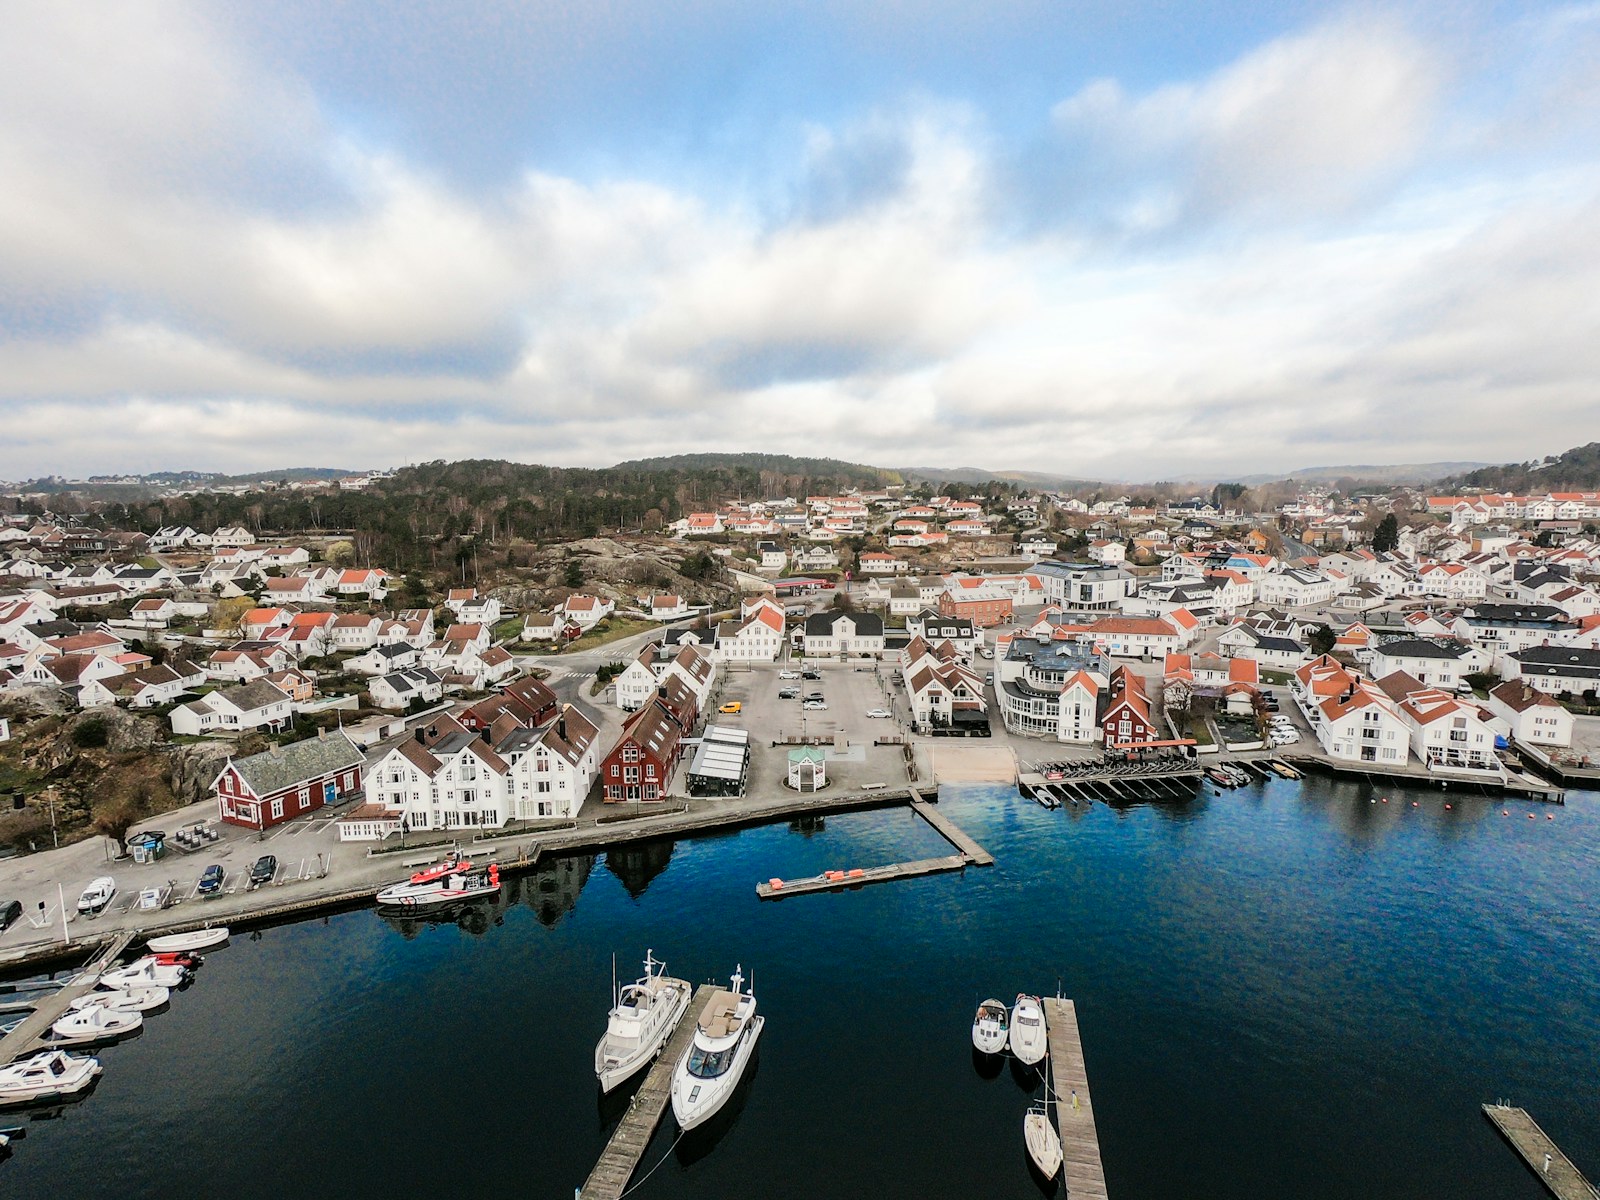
(508, 630)
(610, 630)
(1276, 677)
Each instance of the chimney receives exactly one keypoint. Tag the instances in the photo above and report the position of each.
(272, 748)
(421, 734)
(322, 735)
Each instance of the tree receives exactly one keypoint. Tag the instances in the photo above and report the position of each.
(842, 602)
(228, 615)
(340, 554)
(574, 573)
(1543, 539)
(116, 818)
(1321, 639)
(1387, 535)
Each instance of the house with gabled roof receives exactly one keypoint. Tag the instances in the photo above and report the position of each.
(399, 690)
(285, 782)
(640, 766)
(239, 709)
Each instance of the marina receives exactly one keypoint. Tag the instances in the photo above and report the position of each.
(29, 1036)
(631, 1138)
(1544, 1158)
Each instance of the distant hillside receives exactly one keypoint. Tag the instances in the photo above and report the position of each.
(131, 487)
(979, 475)
(1577, 469)
(823, 473)
(1389, 473)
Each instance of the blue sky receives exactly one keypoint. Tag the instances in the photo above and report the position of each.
(1119, 240)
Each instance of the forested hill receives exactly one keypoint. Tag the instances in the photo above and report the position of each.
(1577, 469)
(775, 474)
(423, 514)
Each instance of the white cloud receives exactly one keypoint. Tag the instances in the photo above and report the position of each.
(1332, 300)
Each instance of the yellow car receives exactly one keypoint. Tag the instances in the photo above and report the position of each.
(731, 706)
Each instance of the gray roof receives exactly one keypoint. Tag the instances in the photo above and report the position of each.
(276, 771)
(1559, 660)
(821, 624)
(1422, 648)
(248, 697)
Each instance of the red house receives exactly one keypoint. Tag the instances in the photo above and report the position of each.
(527, 701)
(1126, 721)
(286, 782)
(640, 765)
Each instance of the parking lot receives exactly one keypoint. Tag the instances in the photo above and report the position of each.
(850, 690)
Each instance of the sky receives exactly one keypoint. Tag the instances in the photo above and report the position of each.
(1121, 239)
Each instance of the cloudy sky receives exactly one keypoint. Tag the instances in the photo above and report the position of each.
(1117, 239)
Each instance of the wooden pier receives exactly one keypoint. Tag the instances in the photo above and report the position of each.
(1544, 1158)
(26, 1038)
(950, 831)
(1080, 1144)
(833, 881)
(631, 1138)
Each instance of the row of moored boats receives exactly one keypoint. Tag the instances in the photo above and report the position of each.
(114, 1009)
(644, 1014)
(1022, 1031)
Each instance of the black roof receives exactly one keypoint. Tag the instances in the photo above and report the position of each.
(1559, 660)
(821, 624)
(1422, 648)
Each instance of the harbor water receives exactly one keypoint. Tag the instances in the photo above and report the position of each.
(1292, 989)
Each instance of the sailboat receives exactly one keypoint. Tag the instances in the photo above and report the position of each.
(1044, 1143)
(642, 1016)
(725, 1036)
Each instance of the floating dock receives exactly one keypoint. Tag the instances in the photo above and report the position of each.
(26, 1038)
(1080, 1144)
(831, 881)
(972, 855)
(950, 831)
(631, 1138)
(1544, 1158)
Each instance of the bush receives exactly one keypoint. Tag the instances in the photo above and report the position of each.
(91, 734)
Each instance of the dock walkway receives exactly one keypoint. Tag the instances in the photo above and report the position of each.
(862, 875)
(950, 831)
(1080, 1144)
(620, 1159)
(1544, 1158)
(25, 1038)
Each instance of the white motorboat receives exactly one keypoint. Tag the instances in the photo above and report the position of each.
(51, 1075)
(146, 972)
(1027, 1036)
(137, 999)
(195, 939)
(1044, 1143)
(96, 1023)
(642, 1015)
(443, 883)
(725, 1036)
(991, 1027)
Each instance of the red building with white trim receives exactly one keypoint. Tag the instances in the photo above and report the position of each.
(285, 782)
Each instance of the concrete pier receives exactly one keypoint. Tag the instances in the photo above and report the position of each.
(1069, 1084)
(620, 1159)
(1544, 1158)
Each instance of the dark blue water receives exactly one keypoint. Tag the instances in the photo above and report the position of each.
(1283, 991)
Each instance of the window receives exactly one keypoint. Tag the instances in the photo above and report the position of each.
(277, 809)
(544, 785)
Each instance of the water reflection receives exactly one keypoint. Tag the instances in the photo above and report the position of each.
(988, 1066)
(551, 891)
(637, 866)
(806, 826)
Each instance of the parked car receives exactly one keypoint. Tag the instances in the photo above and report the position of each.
(97, 895)
(879, 712)
(809, 673)
(10, 913)
(788, 693)
(732, 706)
(815, 706)
(815, 696)
(211, 880)
(263, 869)
(788, 674)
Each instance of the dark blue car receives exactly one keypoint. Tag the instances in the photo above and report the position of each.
(210, 881)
